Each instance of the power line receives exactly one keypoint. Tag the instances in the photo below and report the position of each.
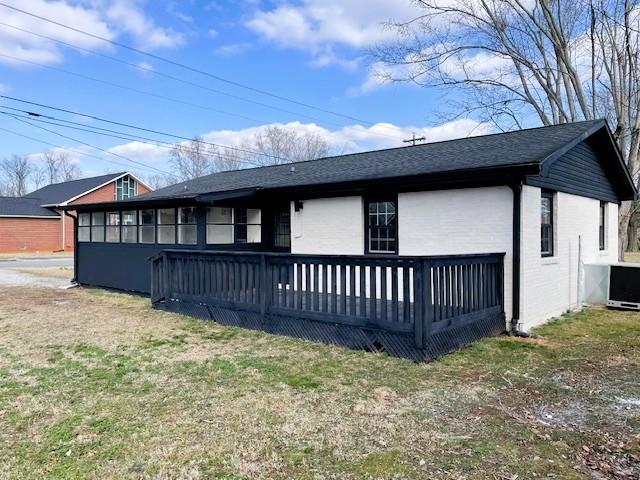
(77, 152)
(132, 89)
(120, 135)
(148, 130)
(187, 67)
(172, 77)
(91, 146)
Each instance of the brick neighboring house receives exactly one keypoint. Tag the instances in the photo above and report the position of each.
(35, 223)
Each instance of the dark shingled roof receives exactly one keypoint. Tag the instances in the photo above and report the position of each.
(522, 147)
(58, 193)
(24, 207)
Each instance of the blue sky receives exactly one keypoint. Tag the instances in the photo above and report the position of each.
(313, 51)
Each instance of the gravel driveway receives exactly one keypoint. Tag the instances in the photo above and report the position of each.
(11, 273)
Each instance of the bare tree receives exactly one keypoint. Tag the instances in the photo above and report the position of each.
(59, 167)
(16, 172)
(510, 61)
(192, 159)
(279, 145)
(158, 181)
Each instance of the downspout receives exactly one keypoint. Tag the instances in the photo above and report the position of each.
(75, 247)
(516, 248)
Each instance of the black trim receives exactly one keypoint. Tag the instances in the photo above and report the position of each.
(548, 194)
(602, 226)
(515, 275)
(367, 199)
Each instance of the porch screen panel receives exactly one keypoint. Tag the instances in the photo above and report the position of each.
(97, 227)
(112, 232)
(147, 229)
(84, 227)
(247, 225)
(219, 225)
(130, 226)
(282, 227)
(187, 229)
(167, 225)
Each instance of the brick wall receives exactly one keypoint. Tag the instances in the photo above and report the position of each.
(30, 234)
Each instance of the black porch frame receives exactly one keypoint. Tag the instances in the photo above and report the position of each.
(412, 307)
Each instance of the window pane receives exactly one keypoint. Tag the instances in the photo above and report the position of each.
(253, 216)
(187, 235)
(84, 219)
(84, 234)
(129, 234)
(166, 234)
(187, 216)
(97, 234)
(166, 216)
(147, 217)
(546, 210)
(219, 234)
(97, 218)
(382, 227)
(113, 218)
(254, 234)
(113, 234)
(219, 215)
(148, 234)
(129, 218)
(282, 227)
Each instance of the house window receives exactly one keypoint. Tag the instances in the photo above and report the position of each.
(219, 225)
(247, 225)
(112, 233)
(126, 187)
(147, 229)
(187, 229)
(97, 227)
(84, 227)
(167, 225)
(130, 226)
(233, 225)
(546, 224)
(602, 231)
(282, 227)
(382, 227)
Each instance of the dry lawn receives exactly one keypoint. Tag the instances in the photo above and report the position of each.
(632, 257)
(98, 385)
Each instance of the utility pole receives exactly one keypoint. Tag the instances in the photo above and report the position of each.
(414, 140)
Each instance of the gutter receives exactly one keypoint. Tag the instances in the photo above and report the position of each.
(75, 246)
(516, 260)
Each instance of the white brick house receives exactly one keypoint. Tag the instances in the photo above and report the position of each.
(543, 201)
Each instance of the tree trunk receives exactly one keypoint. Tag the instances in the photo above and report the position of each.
(624, 218)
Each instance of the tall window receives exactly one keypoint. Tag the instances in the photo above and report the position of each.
(546, 224)
(602, 233)
(126, 187)
(382, 226)
(84, 227)
(113, 227)
(97, 227)
(282, 227)
(167, 225)
(187, 229)
(130, 226)
(233, 225)
(147, 229)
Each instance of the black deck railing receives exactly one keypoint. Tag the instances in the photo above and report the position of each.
(417, 297)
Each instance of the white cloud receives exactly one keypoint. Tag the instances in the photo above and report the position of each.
(108, 20)
(128, 16)
(355, 23)
(319, 26)
(352, 138)
(212, 32)
(232, 49)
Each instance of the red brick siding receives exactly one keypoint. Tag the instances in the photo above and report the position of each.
(30, 235)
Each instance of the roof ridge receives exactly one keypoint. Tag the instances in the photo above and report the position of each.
(83, 179)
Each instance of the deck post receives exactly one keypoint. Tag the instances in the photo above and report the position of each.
(266, 286)
(427, 304)
(418, 304)
(165, 280)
